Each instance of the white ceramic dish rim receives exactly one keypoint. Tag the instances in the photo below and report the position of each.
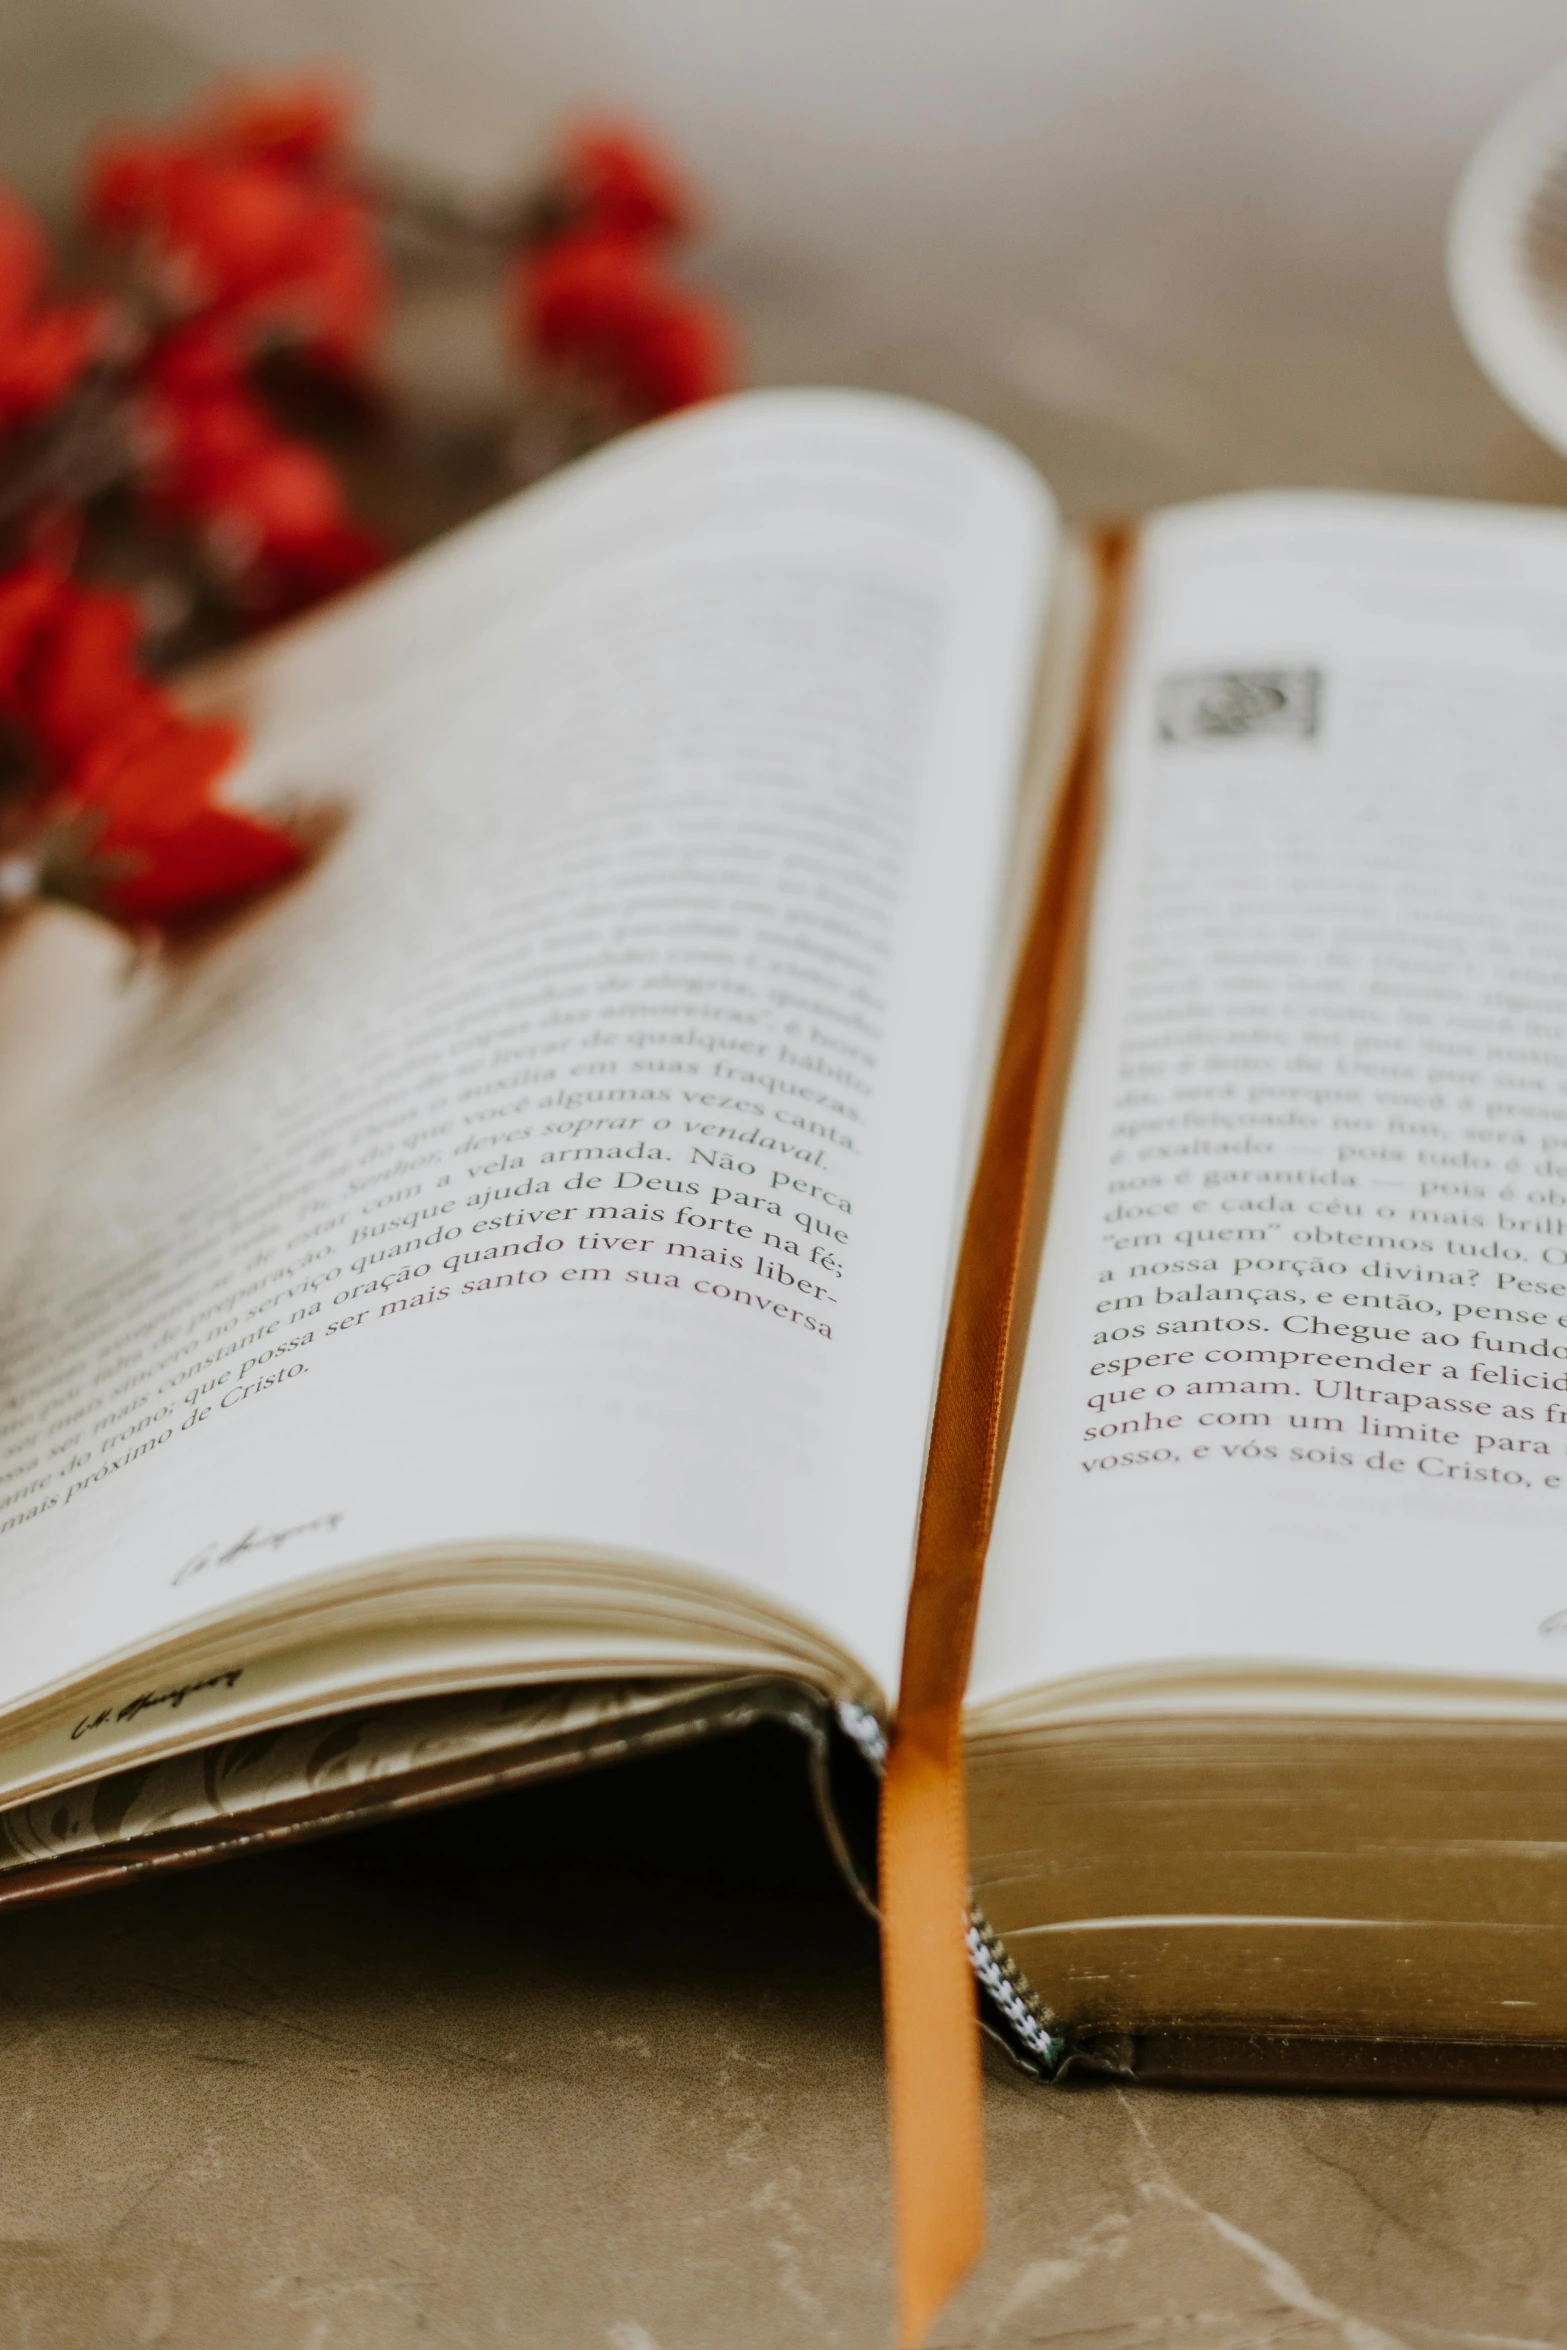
(1520, 348)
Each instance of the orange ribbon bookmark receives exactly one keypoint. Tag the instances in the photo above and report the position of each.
(933, 2074)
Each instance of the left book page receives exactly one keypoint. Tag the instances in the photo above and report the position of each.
(532, 1235)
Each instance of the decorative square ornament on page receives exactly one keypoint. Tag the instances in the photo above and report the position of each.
(1229, 705)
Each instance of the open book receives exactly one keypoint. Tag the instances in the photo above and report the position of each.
(489, 1310)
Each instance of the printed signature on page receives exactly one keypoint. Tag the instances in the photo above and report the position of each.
(257, 1540)
(173, 1698)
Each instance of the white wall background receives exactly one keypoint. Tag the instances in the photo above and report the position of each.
(1164, 242)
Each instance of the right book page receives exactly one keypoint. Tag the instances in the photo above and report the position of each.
(1294, 1409)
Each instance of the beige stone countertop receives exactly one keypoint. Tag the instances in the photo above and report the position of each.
(545, 2076)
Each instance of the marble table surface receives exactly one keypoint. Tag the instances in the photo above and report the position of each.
(548, 2089)
(363, 2098)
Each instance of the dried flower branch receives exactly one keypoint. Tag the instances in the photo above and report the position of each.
(248, 231)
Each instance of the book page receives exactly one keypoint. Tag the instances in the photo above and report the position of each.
(574, 1158)
(1296, 1389)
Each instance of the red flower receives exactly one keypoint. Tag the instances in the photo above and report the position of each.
(23, 258)
(68, 673)
(271, 508)
(246, 210)
(43, 346)
(218, 855)
(338, 299)
(602, 307)
(115, 752)
(83, 683)
(278, 519)
(124, 183)
(201, 421)
(303, 125)
(40, 358)
(616, 182)
(176, 846)
(282, 493)
(29, 596)
(680, 354)
(230, 230)
(202, 357)
(196, 448)
(296, 574)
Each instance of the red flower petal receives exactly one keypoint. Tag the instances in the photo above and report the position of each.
(41, 357)
(23, 258)
(579, 297)
(340, 298)
(272, 508)
(148, 778)
(182, 848)
(219, 855)
(122, 192)
(241, 210)
(293, 577)
(29, 597)
(199, 446)
(295, 123)
(42, 350)
(232, 227)
(281, 494)
(619, 183)
(601, 305)
(84, 683)
(203, 357)
(679, 354)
